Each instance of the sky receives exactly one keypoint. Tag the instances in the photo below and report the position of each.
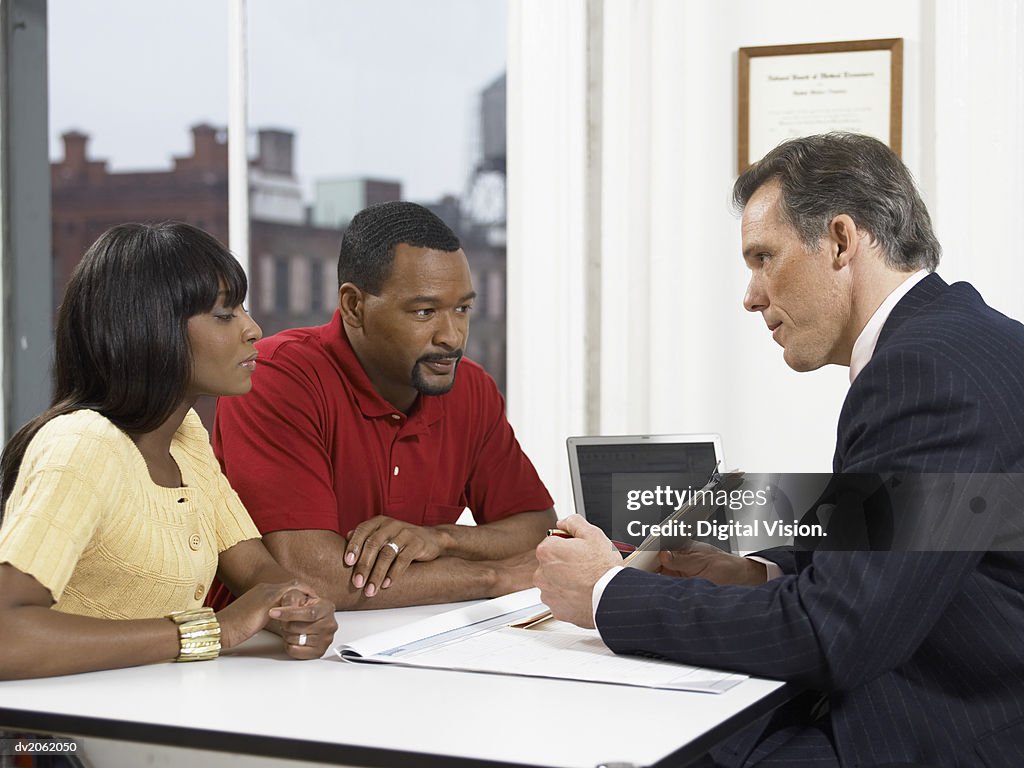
(387, 88)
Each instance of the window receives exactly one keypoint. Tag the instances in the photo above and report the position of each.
(388, 124)
(282, 284)
(316, 287)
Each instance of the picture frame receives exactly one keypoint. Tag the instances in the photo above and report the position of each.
(800, 90)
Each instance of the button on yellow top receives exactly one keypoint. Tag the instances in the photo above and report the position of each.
(194, 541)
(200, 591)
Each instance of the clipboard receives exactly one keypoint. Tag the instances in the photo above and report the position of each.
(645, 556)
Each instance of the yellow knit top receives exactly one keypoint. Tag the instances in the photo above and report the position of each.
(87, 521)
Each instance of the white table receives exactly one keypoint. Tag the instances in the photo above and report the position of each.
(371, 715)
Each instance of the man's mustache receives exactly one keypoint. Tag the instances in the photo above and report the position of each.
(438, 357)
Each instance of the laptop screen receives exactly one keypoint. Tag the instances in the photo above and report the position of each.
(605, 470)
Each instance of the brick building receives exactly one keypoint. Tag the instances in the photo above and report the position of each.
(293, 255)
(87, 199)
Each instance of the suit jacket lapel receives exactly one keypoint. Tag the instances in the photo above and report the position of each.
(922, 294)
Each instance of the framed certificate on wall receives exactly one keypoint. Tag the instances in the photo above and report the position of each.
(787, 91)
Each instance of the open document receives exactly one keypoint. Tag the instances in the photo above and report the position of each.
(481, 638)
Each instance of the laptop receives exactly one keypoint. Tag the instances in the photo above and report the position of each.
(609, 475)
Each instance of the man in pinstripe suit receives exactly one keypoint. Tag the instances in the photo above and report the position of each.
(912, 658)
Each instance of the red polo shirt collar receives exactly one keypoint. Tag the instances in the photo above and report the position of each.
(427, 410)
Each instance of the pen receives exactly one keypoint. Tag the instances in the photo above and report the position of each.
(620, 546)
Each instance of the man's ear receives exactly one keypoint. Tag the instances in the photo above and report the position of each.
(845, 239)
(351, 303)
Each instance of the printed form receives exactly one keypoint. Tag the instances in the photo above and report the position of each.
(479, 638)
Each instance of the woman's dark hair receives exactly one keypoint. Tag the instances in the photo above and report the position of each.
(122, 346)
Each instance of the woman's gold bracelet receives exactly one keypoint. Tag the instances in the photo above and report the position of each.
(198, 633)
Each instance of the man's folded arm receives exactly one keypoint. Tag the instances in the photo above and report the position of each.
(317, 556)
(499, 539)
(510, 504)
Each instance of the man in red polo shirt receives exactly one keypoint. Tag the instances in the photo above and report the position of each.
(363, 440)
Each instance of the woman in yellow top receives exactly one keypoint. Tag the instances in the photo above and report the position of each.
(116, 516)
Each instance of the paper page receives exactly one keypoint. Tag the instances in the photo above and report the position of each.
(432, 626)
(554, 649)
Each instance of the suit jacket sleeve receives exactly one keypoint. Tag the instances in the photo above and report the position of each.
(843, 620)
(846, 616)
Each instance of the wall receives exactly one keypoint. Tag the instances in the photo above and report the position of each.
(710, 366)
(672, 349)
(973, 165)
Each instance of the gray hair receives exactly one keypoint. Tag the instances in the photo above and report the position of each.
(824, 176)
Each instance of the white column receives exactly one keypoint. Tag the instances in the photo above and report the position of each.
(238, 135)
(625, 362)
(547, 140)
(4, 389)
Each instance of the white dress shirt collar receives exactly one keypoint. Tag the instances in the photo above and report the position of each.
(864, 347)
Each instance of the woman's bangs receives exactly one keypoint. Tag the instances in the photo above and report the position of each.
(207, 268)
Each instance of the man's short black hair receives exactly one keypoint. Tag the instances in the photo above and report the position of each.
(368, 245)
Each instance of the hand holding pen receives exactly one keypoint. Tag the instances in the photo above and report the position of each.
(571, 559)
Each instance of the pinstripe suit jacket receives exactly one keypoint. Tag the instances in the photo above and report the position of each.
(921, 654)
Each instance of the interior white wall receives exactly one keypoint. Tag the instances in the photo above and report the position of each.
(676, 350)
(976, 144)
(711, 365)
